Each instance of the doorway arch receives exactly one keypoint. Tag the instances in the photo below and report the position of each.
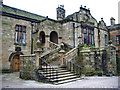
(15, 61)
(42, 37)
(54, 37)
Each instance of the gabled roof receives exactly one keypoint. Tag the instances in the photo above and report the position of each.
(7, 10)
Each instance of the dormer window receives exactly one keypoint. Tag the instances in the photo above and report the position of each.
(20, 35)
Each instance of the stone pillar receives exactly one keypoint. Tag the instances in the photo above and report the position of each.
(62, 52)
(111, 62)
(47, 38)
(38, 54)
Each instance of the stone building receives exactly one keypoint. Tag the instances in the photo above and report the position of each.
(16, 35)
(25, 33)
(114, 33)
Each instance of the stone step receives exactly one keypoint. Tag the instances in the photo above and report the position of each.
(54, 72)
(63, 78)
(59, 75)
(62, 75)
(67, 81)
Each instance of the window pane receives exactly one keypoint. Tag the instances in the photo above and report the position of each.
(92, 39)
(85, 38)
(16, 37)
(106, 41)
(24, 29)
(84, 30)
(20, 28)
(24, 38)
(16, 28)
(118, 39)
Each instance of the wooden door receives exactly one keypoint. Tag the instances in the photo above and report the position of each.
(16, 63)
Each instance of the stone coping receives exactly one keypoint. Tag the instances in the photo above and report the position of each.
(30, 55)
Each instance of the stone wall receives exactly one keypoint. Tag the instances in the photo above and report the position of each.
(8, 33)
(98, 59)
(1, 42)
(47, 27)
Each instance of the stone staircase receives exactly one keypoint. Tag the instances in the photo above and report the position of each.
(48, 72)
(58, 75)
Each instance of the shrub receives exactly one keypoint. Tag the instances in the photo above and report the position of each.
(99, 73)
(90, 73)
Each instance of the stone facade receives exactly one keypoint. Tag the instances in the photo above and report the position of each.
(78, 28)
(8, 46)
(11, 18)
(114, 33)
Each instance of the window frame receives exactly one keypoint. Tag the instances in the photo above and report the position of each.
(20, 35)
(89, 35)
(118, 41)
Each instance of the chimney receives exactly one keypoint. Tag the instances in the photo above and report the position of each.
(112, 21)
(60, 12)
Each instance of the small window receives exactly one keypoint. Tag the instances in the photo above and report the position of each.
(84, 30)
(20, 34)
(106, 40)
(118, 39)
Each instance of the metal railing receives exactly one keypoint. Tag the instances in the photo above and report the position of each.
(49, 70)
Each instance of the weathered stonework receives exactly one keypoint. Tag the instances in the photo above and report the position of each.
(28, 67)
(8, 46)
(67, 30)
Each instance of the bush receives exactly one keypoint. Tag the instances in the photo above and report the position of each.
(90, 73)
(99, 73)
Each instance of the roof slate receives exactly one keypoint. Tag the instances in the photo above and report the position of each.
(15, 11)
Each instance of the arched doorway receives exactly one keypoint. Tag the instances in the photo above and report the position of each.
(54, 37)
(14, 59)
(15, 63)
(42, 37)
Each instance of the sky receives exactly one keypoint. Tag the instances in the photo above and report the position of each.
(99, 8)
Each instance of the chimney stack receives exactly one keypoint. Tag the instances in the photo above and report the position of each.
(112, 21)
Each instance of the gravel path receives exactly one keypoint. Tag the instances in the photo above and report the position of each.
(13, 81)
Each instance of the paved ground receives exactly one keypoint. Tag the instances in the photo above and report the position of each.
(13, 81)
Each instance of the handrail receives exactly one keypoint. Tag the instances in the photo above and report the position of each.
(53, 45)
(43, 62)
(71, 51)
(51, 52)
(71, 54)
